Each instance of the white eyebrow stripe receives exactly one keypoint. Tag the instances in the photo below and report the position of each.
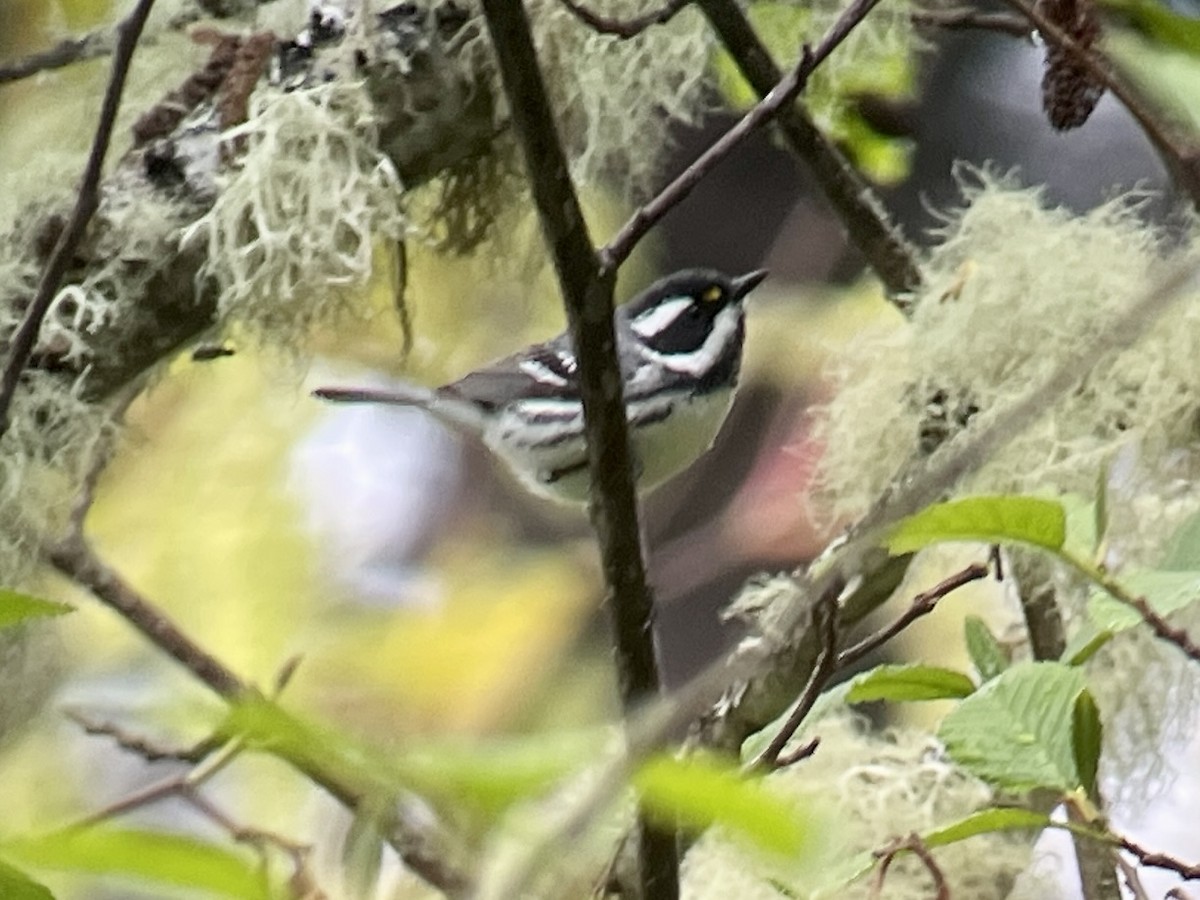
(541, 372)
(655, 321)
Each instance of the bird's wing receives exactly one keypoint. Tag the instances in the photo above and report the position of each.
(543, 371)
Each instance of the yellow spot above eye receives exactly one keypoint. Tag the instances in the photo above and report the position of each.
(712, 294)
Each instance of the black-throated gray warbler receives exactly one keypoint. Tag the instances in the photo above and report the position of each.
(680, 347)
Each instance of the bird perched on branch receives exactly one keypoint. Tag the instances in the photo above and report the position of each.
(679, 343)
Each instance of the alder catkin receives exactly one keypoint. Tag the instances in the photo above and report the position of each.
(1069, 91)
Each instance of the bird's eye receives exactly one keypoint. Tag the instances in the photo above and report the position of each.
(712, 294)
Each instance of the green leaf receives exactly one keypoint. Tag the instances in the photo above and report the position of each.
(16, 885)
(1158, 21)
(702, 791)
(987, 654)
(1100, 510)
(1084, 644)
(1016, 731)
(1087, 737)
(909, 682)
(1183, 550)
(491, 775)
(1166, 592)
(147, 856)
(486, 776)
(988, 520)
(16, 608)
(987, 821)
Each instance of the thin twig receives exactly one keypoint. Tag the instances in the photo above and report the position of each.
(825, 619)
(1133, 881)
(76, 559)
(915, 845)
(1164, 630)
(64, 53)
(142, 746)
(853, 200)
(954, 19)
(1187, 871)
(24, 339)
(587, 292)
(1182, 160)
(781, 95)
(420, 845)
(625, 28)
(922, 605)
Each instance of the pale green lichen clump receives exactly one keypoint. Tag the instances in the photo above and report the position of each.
(871, 788)
(289, 239)
(1013, 287)
(615, 99)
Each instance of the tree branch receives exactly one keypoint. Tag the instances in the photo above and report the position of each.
(887, 253)
(959, 19)
(422, 847)
(625, 28)
(64, 53)
(86, 203)
(587, 295)
(778, 98)
(1181, 159)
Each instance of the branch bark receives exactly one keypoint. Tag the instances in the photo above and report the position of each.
(422, 846)
(887, 253)
(588, 296)
(21, 345)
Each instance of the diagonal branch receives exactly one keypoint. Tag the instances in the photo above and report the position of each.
(86, 203)
(853, 200)
(64, 53)
(587, 291)
(625, 28)
(419, 845)
(774, 101)
(1181, 159)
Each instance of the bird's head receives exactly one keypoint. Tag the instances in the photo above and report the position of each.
(679, 314)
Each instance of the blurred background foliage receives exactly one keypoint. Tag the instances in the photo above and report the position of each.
(424, 594)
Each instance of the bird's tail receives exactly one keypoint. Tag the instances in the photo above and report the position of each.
(458, 414)
(406, 395)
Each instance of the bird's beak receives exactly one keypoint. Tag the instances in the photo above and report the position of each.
(744, 284)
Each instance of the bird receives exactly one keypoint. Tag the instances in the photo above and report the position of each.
(679, 344)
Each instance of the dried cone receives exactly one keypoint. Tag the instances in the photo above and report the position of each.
(1069, 91)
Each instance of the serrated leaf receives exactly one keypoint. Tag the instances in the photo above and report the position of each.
(16, 608)
(16, 885)
(699, 792)
(987, 654)
(988, 520)
(1016, 731)
(909, 682)
(145, 856)
(1165, 591)
(1087, 737)
(987, 821)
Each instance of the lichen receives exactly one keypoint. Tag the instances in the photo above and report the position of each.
(1012, 288)
(289, 239)
(871, 787)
